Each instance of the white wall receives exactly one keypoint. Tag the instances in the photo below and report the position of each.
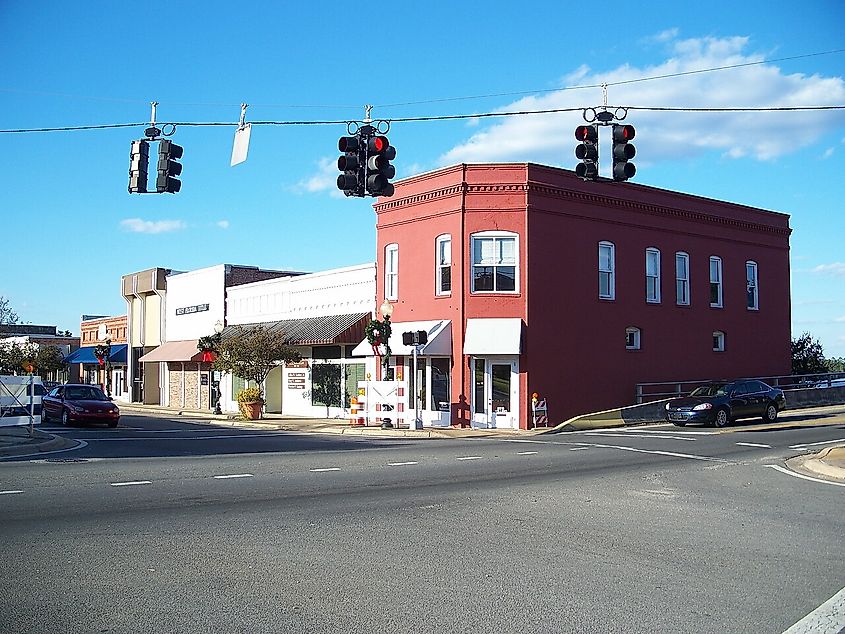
(194, 288)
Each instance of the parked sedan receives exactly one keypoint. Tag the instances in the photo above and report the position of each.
(720, 403)
(77, 403)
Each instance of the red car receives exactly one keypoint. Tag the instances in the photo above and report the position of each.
(76, 403)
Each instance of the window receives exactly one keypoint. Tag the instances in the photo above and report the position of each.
(751, 285)
(440, 396)
(632, 338)
(494, 263)
(325, 384)
(682, 278)
(391, 271)
(443, 281)
(716, 282)
(652, 276)
(718, 341)
(607, 275)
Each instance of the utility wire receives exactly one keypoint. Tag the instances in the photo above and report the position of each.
(479, 115)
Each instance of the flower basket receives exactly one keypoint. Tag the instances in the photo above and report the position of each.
(250, 403)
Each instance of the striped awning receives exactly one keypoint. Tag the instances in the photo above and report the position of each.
(315, 331)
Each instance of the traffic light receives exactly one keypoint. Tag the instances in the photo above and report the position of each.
(351, 164)
(623, 151)
(379, 169)
(587, 152)
(415, 338)
(139, 159)
(168, 167)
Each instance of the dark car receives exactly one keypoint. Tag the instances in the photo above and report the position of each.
(722, 402)
(77, 403)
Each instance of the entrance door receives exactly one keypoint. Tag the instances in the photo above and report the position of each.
(495, 390)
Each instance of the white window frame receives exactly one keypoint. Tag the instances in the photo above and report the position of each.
(391, 271)
(752, 285)
(496, 236)
(653, 254)
(715, 259)
(610, 272)
(718, 341)
(440, 265)
(635, 338)
(682, 281)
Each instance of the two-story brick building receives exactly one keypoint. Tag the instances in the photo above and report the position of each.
(528, 279)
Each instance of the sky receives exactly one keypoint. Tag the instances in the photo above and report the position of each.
(70, 229)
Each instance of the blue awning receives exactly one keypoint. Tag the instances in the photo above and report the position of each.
(86, 355)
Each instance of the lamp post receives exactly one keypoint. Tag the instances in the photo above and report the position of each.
(386, 310)
(215, 375)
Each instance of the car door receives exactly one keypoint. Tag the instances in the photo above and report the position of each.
(53, 402)
(739, 400)
(757, 398)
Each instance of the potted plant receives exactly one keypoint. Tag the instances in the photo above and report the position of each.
(250, 403)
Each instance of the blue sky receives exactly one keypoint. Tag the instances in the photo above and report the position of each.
(70, 229)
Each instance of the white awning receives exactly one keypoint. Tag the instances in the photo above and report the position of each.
(439, 339)
(185, 350)
(493, 336)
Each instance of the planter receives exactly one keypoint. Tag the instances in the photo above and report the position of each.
(252, 410)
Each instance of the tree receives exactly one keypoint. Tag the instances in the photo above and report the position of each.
(7, 315)
(14, 355)
(807, 355)
(836, 364)
(325, 385)
(251, 353)
(49, 359)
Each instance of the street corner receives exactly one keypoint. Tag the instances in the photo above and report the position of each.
(827, 464)
(16, 444)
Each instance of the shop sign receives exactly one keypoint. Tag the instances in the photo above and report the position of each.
(190, 310)
(302, 363)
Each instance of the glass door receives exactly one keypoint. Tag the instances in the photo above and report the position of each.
(494, 393)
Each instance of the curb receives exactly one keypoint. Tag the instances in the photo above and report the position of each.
(55, 443)
(819, 464)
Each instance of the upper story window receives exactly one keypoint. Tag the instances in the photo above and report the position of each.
(443, 273)
(652, 276)
(682, 278)
(632, 338)
(715, 282)
(751, 298)
(494, 262)
(391, 271)
(718, 341)
(607, 270)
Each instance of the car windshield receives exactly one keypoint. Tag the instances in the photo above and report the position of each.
(715, 389)
(85, 394)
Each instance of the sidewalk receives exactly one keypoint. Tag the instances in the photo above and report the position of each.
(828, 464)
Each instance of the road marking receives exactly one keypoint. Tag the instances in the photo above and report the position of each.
(753, 444)
(803, 477)
(813, 444)
(401, 464)
(170, 438)
(326, 469)
(129, 484)
(632, 435)
(526, 453)
(578, 448)
(828, 618)
(82, 444)
(9, 492)
(470, 458)
(658, 453)
(686, 432)
(234, 475)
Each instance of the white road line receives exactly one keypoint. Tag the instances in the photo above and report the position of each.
(526, 453)
(753, 444)
(82, 444)
(578, 448)
(234, 475)
(327, 469)
(674, 431)
(9, 492)
(129, 484)
(813, 444)
(803, 477)
(659, 453)
(401, 464)
(631, 435)
(828, 618)
(470, 458)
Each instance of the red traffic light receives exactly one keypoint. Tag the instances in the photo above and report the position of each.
(623, 133)
(378, 144)
(348, 144)
(587, 133)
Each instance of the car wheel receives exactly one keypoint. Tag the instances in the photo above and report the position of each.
(722, 418)
(65, 418)
(112, 423)
(771, 413)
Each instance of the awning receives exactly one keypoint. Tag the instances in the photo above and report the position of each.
(315, 331)
(174, 351)
(86, 355)
(493, 336)
(439, 339)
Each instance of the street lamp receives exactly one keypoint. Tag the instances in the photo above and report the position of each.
(215, 374)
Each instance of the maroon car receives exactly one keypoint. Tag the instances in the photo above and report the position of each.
(76, 403)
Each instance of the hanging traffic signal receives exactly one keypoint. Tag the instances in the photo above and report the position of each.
(379, 169)
(139, 159)
(351, 164)
(168, 167)
(587, 152)
(623, 151)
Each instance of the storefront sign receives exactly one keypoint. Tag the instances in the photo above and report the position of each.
(303, 363)
(296, 380)
(203, 379)
(190, 310)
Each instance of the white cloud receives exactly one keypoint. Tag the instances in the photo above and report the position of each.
(827, 153)
(223, 224)
(839, 320)
(324, 180)
(835, 268)
(137, 225)
(663, 136)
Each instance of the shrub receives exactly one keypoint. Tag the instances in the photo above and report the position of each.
(250, 395)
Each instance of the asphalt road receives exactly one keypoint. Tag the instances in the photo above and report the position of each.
(167, 526)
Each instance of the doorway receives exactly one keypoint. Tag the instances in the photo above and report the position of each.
(495, 392)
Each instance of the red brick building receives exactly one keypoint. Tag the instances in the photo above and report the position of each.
(529, 279)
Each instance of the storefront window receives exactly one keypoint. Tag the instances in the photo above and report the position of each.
(440, 385)
(479, 387)
(353, 372)
(325, 352)
(325, 384)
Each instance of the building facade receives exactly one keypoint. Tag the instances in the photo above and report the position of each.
(529, 280)
(97, 330)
